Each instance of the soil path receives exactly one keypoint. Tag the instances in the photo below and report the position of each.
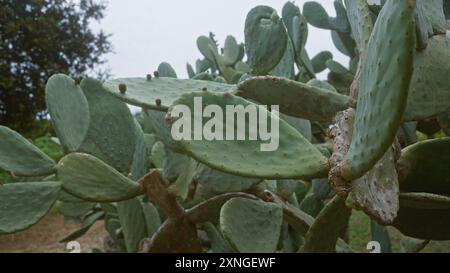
(44, 237)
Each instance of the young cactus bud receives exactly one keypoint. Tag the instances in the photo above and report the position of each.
(158, 102)
(77, 80)
(156, 73)
(149, 77)
(122, 88)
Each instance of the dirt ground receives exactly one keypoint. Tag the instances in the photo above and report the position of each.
(44, 237)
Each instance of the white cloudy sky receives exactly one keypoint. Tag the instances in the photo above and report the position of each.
(147, 32)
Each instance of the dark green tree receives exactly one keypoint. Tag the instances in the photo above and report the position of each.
(37, 39)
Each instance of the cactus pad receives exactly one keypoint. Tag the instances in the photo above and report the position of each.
(244, 222)
(211, 182)
(112, 135)
(24, 204)
(144, 93)
(430, 85)
(265, 39)
(434, 10)
(376, 193)
(360, 20)
(294, 157)
(132, 220)
(383, 90)
(323, 235)
(294, 98)
(19, 156)
(166, 70)
(89, 178)
(422, 200)
(68, 109)
(427, 224)
(423, 168)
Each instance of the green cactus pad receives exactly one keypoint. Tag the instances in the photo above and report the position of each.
(112, 134)
(132, 221)
(158, 154)
(21, 157)
(77, 209)
(286, 188)
(88, 222)
(190, 70)
(180, 185)
(218, 243)
(383, 89)
(144, 93)
(444, 122)
(203, 65)
(231, 51)
(294, 98)
(89, 178)
(422, 200)
(68, 109)
(424, 29)
(311, 204)
(344, 43)
(406, 135)
(24, 204)
(244, 222)
(322, 189)
(297, 27)
(422, 167)
(323, 235)
(447, 9)
(318, 16)
(204, 76)
(429, 92)
(140, 163)
(380, 234)
(376, 193)
(211, 182)
(156, 120)
(166, 70)
(152, 218)
(321, 84)
(303, 126)
(412, 245)
(69, 198)
(265, 39)
(285, 68)
(209, 210)
(173, 165)
(360, 20)
(319, 61)
(427, 224)
(435, 13)
(208, 48)
(294, 157)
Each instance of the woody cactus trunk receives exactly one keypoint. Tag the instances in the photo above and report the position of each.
(345, 143)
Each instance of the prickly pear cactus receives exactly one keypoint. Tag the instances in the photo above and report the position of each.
(344, 143)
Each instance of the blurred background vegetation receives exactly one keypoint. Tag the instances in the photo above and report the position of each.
(39, 38)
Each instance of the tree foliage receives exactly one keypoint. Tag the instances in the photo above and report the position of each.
(39, 38)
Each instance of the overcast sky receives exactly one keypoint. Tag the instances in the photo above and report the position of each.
(148, 32)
